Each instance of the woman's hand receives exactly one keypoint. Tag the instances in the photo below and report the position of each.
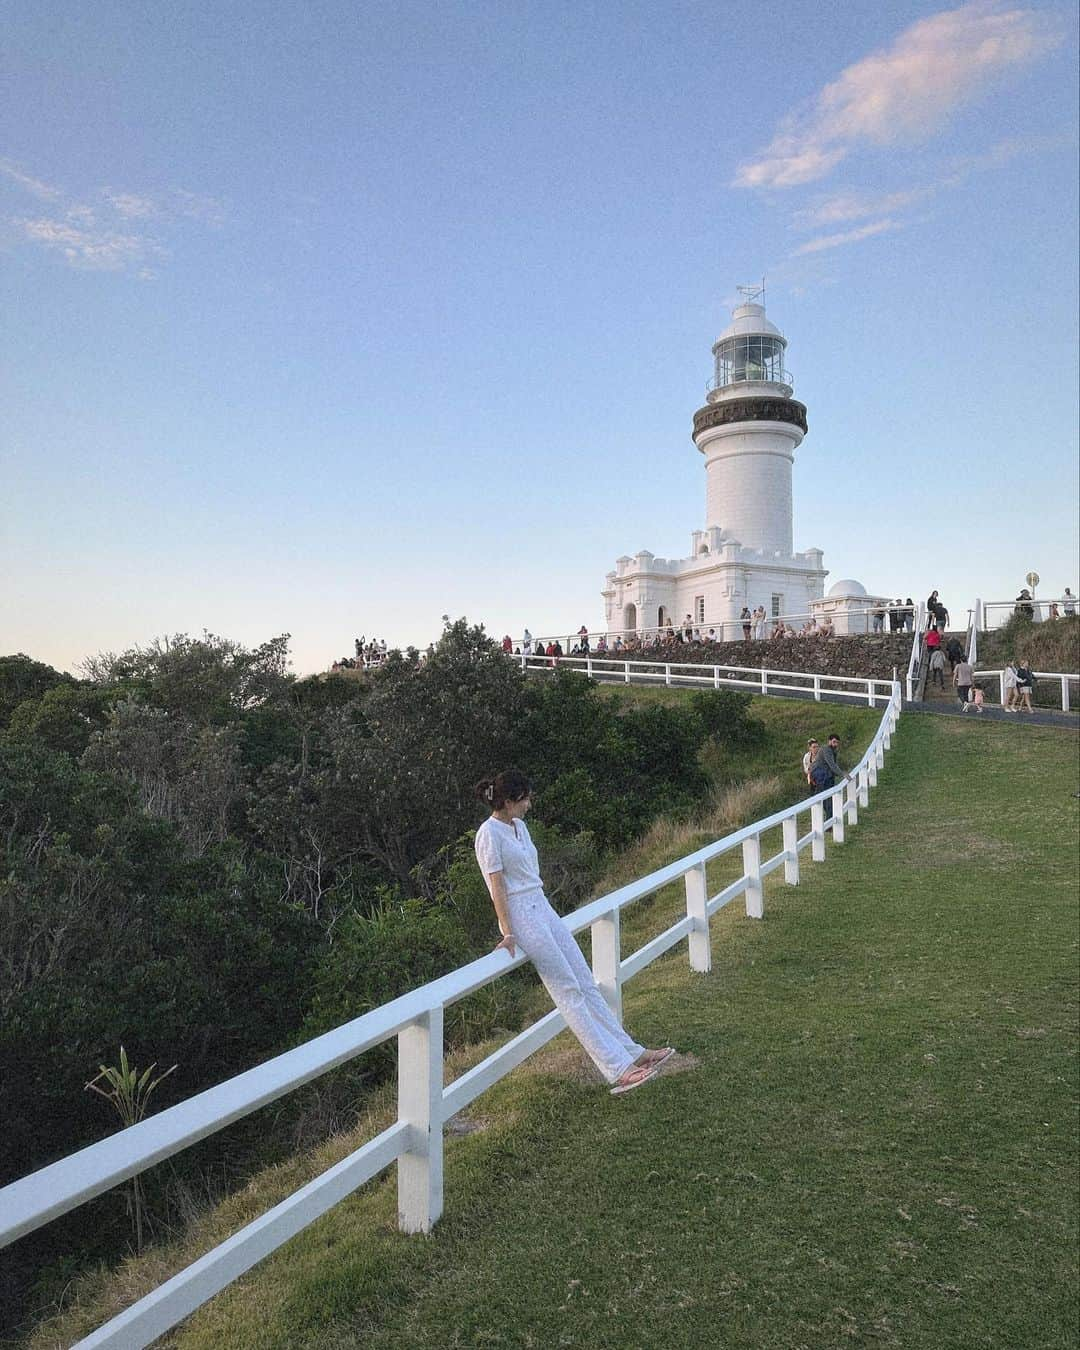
(507, 942)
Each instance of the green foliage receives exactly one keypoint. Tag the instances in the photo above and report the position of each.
(65, 717)
(724, 715)
(129, 1095)
(397, 946)
(22, 678)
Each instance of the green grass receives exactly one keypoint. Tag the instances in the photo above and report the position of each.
(877, 1146)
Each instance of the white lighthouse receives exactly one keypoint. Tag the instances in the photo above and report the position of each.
(748, 432)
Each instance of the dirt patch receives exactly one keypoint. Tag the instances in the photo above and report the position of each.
(457, 1127)
(574, 1064)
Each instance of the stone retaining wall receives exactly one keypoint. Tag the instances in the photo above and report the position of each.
(866, 657)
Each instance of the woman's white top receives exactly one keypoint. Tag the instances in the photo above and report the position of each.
(509, 850)
(1010, 677)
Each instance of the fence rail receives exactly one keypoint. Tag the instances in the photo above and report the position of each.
(854, 622)
(752, 679)
(415, 1140)
(1063, 680)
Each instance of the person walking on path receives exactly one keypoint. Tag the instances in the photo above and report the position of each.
(1068, 603)
(1008, 687)
(954, 650)
(963, 677)
(511, 871)
(745, 619)
(937, 667)
(1025, 682)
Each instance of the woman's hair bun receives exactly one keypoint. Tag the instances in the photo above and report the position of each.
(509, 786)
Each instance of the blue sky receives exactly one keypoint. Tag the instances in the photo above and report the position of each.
(332, 319)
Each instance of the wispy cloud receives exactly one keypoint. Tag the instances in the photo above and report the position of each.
(827, 241)
(92, 249)
(29, 184)
(111, 230)
(847, 206)
(904, 93)
(129, 206)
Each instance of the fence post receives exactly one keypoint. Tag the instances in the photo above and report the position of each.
(697, 899)
(667, 674)
(817, 830)
(751, 855)
(607, 959)
(879, 758)
(791, 848)
(817, 688)
(588, 666)
(420, 1088)
(838, 817)
(864, 786)
(764, 680)
(1064, 693)
(852, 802)
(716, 677)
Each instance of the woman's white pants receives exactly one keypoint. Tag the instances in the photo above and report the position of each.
(547, 941)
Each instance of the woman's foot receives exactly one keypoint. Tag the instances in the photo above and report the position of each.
(652, 1059)
(634, 1077)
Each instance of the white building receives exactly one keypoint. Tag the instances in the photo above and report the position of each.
(748, 432)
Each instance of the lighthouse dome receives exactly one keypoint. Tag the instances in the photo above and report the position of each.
(746, 319)
(845, 589)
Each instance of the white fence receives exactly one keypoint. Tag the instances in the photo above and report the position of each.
(415, 1140)
(854, 622)
(751, 679)
(1064, 682)
(994, 613)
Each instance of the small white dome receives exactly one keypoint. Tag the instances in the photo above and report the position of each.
(839, 589)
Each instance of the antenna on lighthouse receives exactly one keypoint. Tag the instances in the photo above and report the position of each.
(752, 294)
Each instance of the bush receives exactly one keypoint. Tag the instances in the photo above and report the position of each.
(374, 957)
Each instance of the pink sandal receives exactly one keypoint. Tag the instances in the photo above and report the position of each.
(634, 1078)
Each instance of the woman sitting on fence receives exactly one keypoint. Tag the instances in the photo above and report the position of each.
(508, 860)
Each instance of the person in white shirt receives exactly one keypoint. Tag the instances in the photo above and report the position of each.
(809, 757)
(511, 870)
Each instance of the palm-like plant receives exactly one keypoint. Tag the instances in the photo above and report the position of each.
(129, 1092)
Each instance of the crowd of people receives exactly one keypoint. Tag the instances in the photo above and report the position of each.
(1017, 681)
(366, 655)
(667, 637)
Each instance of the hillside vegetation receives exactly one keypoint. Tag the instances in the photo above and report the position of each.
(207, 862)
(873, 1141)
(1051, 646)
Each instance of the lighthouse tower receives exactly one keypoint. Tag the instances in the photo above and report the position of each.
(748, 432)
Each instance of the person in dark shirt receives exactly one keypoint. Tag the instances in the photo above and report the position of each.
(825, 771)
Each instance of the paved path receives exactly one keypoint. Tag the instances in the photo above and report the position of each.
(993, 712)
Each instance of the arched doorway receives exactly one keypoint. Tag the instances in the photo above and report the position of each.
(629, 619)
(663, 618)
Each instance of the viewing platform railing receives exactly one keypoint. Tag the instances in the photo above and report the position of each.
(425, 1103)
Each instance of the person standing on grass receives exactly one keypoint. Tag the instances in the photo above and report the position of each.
(1025, 682)
(511, 871)
(812, 748)
(963, 677)
(825, 771)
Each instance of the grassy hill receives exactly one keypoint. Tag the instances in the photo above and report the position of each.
(872, 1140)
